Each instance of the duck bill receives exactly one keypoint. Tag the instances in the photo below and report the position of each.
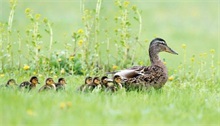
(169, 50)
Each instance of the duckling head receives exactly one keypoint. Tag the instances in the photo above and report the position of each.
(105, 80)
(96, 80)
(49, 81)
(117, 79)
(88, 80)
(61, 81)
(159, 45)
(34, 80)
(11, 82)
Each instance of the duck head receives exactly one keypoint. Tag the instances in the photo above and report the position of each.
(34, 80)
(62, 81)
(159, 45)
(88, 80)
(49, 81)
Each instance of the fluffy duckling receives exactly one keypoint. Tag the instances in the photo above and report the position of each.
(50, 85)
(88, 80)
(105, 82)
(61, 84)
(11, 83)
(32, 84)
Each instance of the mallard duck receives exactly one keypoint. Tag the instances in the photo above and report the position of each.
(154, 75)
(11, 83)
(94, 85)
(61, 84)
(29, 84)
(50, 85)
(88, 80)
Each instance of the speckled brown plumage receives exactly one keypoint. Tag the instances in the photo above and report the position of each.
(148, 76)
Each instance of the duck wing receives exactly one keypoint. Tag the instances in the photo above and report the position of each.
(128, 73)
(152, 76)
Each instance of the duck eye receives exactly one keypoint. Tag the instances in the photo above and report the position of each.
(162, 42)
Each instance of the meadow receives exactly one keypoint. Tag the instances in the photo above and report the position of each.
(74, 39)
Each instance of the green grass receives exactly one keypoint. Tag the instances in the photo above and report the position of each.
(191, 98)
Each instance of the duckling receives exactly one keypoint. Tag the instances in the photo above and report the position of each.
(105, 82)
(32, 84)
(11, 83)
(50, 85)
(61, 84)
(88, 80)
(151, 76)
(94, 85)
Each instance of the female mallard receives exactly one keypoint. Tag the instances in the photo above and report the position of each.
(50, 85)
(148, 76)
(61, 84)
(32, 84)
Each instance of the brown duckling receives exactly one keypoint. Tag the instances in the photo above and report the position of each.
(105, 82)
(11, 83)
(61, 84)
(88, 80)
(151, 76)
(32, 84)
(50, 85)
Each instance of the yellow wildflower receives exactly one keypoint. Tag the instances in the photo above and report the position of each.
(30, 112)
(134, 8)
(126, 3)
(80, 42)
(183, 46)
(141, 63)
(55, 76)
(2, 75)
(34, 73)
(62, 71)
(45, 20)
(26, 67)
(170, 78)
(71, 57)
(40, 75)
(114, 67)
(212, 51)
(37, 16)
(62, 105)
(68, 104)
(164, 62)
(27, 11)
(59, 60)
(80, 31)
